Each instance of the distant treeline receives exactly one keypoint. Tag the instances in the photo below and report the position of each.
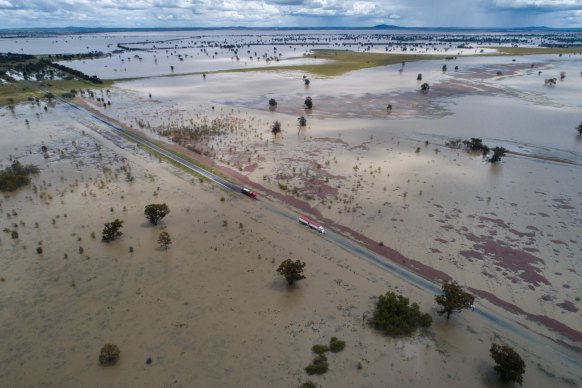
(76, 73)
(11, 57)
(70, 57)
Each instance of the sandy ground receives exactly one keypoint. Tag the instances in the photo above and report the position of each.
(210, 310)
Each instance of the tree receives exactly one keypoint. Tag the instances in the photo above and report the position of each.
(453, 299)
(111, 230)
(579, 129)
(291, 270)
(419, 77)
(303, 121)
(393, 315)
(272, 102)
(276, 128)
(164, 240)
(424, 87)
(509, 364)
(444, 68)
(109, 354)
(308, 103)
(306, 81)
(498, 153)
(155, 212)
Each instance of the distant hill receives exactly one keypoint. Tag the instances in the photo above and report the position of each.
(84, 30)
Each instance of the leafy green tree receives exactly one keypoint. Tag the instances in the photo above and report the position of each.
(308, 103)
(155, 212)
(164, 240)
(111, 230)
(498, 153)
(453, 299)
(509, 364)
(394, 316)
(291, 270)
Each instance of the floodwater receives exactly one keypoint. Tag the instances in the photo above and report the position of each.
(511, 231)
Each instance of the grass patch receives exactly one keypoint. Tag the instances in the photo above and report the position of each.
(308, 384)
(343, 61)
(535, 50)
(16, 92)
(319, 366)
(319, 349)
(336, 346)
(58, 87)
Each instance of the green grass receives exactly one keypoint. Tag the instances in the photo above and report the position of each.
(535, 50)
(57, 87)
(343, 61)
(15, 92)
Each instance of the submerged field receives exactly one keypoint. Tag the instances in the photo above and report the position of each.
(210, 309)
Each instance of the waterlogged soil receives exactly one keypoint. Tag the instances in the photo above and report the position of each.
(209, 310)
(510, 230)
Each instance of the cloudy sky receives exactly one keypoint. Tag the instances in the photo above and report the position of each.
(291, 13)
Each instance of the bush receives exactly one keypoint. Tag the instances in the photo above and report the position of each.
(111, 230)
(155, 212)
(336, 346)
(318, 367)
(319, 349)
(109, 354)
(394, 316)
(16, 176)
(292, 270)
(308, 384)
(272, 102)
(276, 128)
(509, 364)
(308, 103)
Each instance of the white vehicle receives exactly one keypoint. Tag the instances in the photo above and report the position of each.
(313, 225)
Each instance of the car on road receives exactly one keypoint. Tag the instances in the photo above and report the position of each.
(248, 192)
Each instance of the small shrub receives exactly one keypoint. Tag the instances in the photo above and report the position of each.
(336, 346)
(318, 367)
(109, 354)
(308, 384)
(319, 349)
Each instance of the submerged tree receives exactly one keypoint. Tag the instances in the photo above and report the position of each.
(276, 128)
(419, 77)
(272, 102)
(395, 316)
(111, 230)
(16, 176)
(109, 354)
(292, 270)
(303, 121)
(424, 87)
(453, 299)
(509, 364)
(155, 212)
(579, 129)
(498, 153)
(308, 103)
(164, 240)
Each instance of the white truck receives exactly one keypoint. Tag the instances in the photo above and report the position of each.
(313, 225)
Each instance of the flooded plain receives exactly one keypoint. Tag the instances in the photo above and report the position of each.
(210, 310)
